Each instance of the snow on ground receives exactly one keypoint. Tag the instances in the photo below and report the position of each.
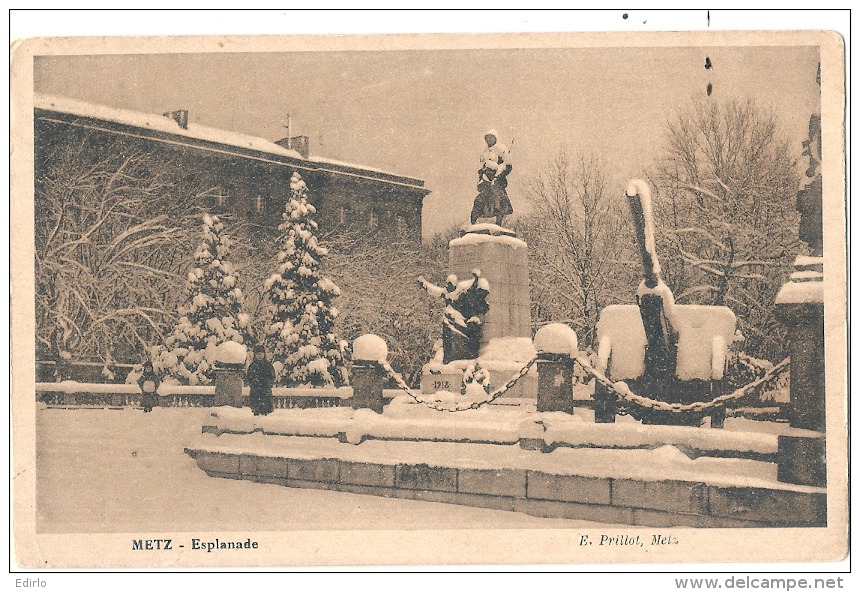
(102, 470)
(500, 424)
(73, 386)
(166, 389)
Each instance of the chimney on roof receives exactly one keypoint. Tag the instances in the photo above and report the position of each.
(180, 116)
(301, 144)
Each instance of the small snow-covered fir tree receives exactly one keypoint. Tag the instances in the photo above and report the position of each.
(212, 314)
(300, 333)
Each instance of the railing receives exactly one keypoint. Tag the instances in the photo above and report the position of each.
(83, 394)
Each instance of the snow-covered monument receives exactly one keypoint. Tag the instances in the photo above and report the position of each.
(500, 259)
(800, 306)
(500, 328)
(673, 353)
(451, 444)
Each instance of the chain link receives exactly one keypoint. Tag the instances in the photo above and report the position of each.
(453, 409)
(623, 391)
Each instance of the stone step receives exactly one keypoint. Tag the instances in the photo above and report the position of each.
(536, 491)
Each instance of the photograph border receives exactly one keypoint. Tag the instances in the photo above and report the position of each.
(436, 547)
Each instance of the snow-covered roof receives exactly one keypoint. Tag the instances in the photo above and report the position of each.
(195, 131)
(158, 123)
(349, 165)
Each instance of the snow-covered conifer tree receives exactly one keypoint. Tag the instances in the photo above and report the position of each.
(300, 333)
(211, 315)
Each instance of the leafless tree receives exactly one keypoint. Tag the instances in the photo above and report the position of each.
(580, 243)
(379, 294)
(110, 247)
(726, 210)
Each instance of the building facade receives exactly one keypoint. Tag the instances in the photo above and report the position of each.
(247, 176)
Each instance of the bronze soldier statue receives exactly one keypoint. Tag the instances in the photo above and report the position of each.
(492, 199)
(465, 303)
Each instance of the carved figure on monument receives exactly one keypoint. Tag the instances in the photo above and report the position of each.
(492, 199)
(809, 196)
(465, 302)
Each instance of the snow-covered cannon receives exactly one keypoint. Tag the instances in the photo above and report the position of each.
(666, 352)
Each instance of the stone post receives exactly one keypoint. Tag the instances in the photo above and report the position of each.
(718, 414)
(368, 377)
(229, 374)
(555, 383)
(718, 418)
(557, 346)
(800, 306)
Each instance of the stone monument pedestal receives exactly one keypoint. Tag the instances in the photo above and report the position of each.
(800, 306)
(506, 344)
(503, 261)
(502, 358)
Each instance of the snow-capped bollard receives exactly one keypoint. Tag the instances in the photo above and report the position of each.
(557, 346)
(368, 377)
(229, 368)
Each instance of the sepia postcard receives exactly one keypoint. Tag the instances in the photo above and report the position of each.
(375, 300)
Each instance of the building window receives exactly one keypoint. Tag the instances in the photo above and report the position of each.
(401, 225)
(341, 215)
(373, 220)
(221, 198)
(258, 204)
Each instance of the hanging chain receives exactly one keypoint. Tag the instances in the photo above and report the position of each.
(434, 404)
(619, 388)
(623, 391)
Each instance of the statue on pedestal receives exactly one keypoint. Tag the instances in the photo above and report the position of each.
(800, 307)
(465, 301)
(492, 199)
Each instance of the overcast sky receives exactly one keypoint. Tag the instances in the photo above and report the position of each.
(423, 113)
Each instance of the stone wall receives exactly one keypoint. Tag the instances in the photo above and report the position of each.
(657, 503)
